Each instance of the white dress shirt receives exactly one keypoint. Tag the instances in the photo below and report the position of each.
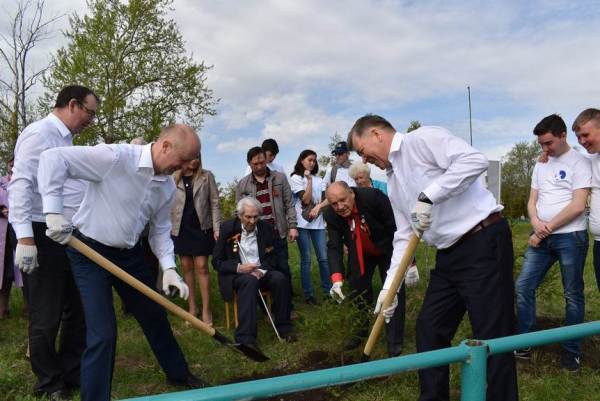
(122, 196)
(24, 195)
(342, 174)
(249, 247)
(445, 168)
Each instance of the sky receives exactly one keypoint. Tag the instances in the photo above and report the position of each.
(301, 71)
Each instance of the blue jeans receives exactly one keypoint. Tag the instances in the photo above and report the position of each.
(570, 250)
(320, 244)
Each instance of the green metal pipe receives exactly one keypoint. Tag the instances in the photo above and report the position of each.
(473, 376)
(316, 379)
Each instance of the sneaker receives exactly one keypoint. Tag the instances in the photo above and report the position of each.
(570, 361)
(524, 353)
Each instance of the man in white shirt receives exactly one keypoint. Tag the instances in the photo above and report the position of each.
(54, 300)
(587, 130)
(129, 186)
(340, 171)
(434, 188)
(559, 191)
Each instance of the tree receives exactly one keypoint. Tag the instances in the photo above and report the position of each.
(227, 199)
(327, 160)
(134, 58)
(517, 168)
(413, 126)
(27, 28)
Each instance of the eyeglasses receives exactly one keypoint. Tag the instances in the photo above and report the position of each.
(91, 113)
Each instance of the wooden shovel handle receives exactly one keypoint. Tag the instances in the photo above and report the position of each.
(406, 260)
(138, 285)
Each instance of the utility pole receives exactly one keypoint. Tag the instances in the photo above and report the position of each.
(470, 121)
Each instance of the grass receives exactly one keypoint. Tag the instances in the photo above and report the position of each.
(322, 330)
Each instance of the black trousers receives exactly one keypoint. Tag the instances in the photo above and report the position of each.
(361, 294)
(54, 304)
(246, 287)
(473, 276)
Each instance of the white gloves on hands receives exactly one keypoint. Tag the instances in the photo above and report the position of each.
(389, 312)
(59, 228)
(421, 216)
(412, 276)
(172, 279)
(26, 258)
(336, 291)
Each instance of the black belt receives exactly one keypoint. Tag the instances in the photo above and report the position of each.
(488, 221)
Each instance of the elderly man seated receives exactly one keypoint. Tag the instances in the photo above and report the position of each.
(245, 258)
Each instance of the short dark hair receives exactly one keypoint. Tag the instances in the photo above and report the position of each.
(299, 168)
(584, 117)
(270, 145)
(77, 92)
(253, 152)
(367, 121)
(553, 124)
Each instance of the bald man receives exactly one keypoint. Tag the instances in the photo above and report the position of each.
(128, 187)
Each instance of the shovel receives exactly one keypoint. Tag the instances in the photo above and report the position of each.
(115, 270)
(406, 260)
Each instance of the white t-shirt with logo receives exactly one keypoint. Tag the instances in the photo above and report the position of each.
(556, 181)
(298, 184)
(595, 202)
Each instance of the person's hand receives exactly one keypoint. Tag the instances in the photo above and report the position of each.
(292, 235)
(543, 157)
(314, 212)
(247, 267)
(26, 257)
(541, 228)
(258, 274)
(216, 235)
(59, 228)
(336, 291)
(4, 211)
(421, 216)
(534, 241)
(307, 174)
(412, 276)
(388, 312)
(172, 283)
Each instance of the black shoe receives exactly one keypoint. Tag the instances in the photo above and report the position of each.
(570, 361)
(394, 350)
(60, 395)
(190, 381)
(524, 353)
(311, 300)
(353, 343)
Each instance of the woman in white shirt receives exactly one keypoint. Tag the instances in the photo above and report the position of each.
(307, 188)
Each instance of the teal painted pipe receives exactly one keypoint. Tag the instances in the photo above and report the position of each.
(316, 379)
(473, 376)
(535, 339)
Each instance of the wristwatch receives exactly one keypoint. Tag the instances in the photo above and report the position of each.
(423, 198)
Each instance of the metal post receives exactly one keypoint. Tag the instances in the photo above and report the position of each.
(473, 375)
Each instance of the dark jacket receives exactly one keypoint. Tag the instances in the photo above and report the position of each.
(225, 258)
(375, 207)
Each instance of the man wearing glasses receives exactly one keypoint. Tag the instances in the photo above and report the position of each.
(53, 296)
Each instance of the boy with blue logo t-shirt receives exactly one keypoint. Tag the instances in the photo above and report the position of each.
(556, 208)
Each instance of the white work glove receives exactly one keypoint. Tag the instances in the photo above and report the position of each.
(336, 292)
(412, 276)
(389, 312)
(59, 228)
(26, 258)
(421, 216)
(172, 279)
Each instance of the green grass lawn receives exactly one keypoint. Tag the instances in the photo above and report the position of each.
(322, 330)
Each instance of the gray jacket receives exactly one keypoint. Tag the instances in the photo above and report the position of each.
(281, 199)
(206, 202)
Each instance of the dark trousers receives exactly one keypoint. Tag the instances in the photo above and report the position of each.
(95, 285)
(283, 265)
(362, 295)
(54, 304)
(597, 262)
(246, 287)
(474, 275)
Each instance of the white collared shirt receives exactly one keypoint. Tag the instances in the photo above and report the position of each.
(249, 246)
(122, 196)
(24, 195)
(445, 168)
(342, 174)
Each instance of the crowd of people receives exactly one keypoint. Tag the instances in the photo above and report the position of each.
(140, 205)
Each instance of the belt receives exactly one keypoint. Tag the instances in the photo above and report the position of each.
(89, 240)
(488, 221)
